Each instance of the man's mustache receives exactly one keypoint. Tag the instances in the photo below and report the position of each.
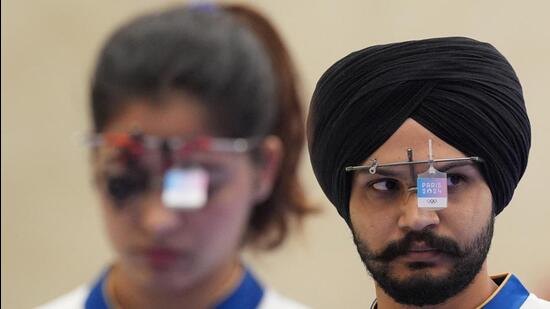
(403, 246)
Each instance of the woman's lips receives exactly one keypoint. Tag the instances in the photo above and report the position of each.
(162, 258)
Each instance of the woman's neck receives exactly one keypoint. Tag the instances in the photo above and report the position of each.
(125, 293)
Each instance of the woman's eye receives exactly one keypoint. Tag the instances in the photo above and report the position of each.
(128, 184)
(386, 185)
(217, 177)
(454, 180)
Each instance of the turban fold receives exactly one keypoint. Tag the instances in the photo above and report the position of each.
(462, 90)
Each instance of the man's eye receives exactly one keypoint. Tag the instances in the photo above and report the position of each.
(454, 180)
(386, 185)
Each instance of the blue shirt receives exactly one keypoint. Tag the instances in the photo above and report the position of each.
(247, 295)
(510, 294)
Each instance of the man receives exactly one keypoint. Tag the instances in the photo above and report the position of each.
(419, 145)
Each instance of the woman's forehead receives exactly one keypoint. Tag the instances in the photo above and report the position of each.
(412, 135)
(175, 115)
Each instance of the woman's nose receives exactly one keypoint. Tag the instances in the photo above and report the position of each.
(157, 219)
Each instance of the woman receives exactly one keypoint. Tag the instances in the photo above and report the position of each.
(198, 132)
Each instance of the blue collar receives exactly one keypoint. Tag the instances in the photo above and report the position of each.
(247, 295)
(510, 294)
(97, 299)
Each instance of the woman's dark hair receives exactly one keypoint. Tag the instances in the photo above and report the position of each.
(270, 219)
(197, 51)
(234, 63)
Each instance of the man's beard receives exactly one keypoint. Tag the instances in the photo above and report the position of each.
(423, 288)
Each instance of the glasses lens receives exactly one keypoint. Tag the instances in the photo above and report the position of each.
(127, 185)
(127, 177)
(387, 186)
(391, 185)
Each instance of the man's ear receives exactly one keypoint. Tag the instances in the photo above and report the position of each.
(267, 170)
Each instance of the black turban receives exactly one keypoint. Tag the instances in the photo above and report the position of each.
(462, 90)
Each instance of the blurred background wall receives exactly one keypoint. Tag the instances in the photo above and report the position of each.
(52, 235)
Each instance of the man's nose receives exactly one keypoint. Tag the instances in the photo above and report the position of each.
(413, 218)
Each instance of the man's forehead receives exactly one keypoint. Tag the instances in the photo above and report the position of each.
(412, 135)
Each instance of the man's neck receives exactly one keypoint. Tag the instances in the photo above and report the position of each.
(204, 294)
(472, 296)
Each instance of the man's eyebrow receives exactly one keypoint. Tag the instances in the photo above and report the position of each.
(442, 168)
(387, 172)
(451, 165)
(381, 171)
